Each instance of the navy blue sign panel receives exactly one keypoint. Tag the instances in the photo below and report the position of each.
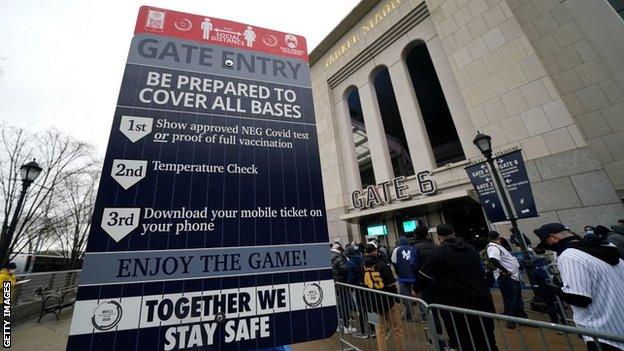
(483, 182)
(516, 181)
(209, 230)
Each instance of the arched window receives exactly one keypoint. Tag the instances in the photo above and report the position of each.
(360, 139)
(393, 126)
(435, 112)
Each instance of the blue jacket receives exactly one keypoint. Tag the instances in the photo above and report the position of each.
(354, 273)
(405, 261)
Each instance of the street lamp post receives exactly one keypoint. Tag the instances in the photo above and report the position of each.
(28, 172)
(484, 143)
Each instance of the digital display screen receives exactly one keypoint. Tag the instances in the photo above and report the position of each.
(379, 229)
(410, 226)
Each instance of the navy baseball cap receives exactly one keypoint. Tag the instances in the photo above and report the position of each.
(546, 230)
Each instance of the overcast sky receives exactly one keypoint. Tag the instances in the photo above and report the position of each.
(62, 60)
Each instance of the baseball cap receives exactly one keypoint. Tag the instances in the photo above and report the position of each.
(493, 235)
(601, 230)
(546, 230)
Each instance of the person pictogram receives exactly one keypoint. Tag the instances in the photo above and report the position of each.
(249, 36)
(207, 27)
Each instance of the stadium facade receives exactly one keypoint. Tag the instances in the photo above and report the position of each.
(402, 86)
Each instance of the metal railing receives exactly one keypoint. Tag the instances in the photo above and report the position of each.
(37, 283)
(407, 323)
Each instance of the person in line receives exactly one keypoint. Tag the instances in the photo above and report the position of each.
(612, 237)
(378, 276)
(7, 274)
(381, 249)
(456, 268)
(619, 228)
(340, 271)
(593, 279)
(507, 274)
(355, 276)
(425, 248)
(405, 261)
(517, 237)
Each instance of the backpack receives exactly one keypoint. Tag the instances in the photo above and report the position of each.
(485, 259)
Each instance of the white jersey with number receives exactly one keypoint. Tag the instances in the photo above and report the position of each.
(585, 275)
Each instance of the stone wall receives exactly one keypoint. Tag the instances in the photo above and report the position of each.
(589, 88)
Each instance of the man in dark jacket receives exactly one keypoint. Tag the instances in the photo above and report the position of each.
(378, 276)
(355, 276)
(340, 272)
(456, 268)
(405, 261)
(425, 248)
(423, 244)
(612, 237)
(339, 263)
(619, 228)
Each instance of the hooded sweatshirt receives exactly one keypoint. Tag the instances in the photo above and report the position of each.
(405, 260)
(608, 254)
(354, 266)
(456, 269)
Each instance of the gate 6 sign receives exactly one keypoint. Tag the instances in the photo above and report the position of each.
(388, 191)
(209, 229)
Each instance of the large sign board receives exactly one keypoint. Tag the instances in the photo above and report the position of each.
(481, 178)
(516, 182)
(209, 229)
(512, 171)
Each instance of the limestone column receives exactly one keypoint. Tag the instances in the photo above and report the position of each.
(411, 117)
(454, 98)
(376, 136)
(346, 146)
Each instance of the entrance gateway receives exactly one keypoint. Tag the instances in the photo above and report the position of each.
(209, 229)
(464, 214)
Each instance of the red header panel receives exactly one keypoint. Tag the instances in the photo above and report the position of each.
(216, 31)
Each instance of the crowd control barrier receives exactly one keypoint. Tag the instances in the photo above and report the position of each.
(382, 321)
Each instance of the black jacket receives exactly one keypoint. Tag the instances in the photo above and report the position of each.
(339, 266)
(456, 269)
(378, 275)
(425, 249)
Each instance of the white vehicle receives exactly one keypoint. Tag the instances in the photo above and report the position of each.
(31, 263)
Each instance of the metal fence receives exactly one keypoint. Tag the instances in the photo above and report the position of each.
(36, 283)
(377, 320)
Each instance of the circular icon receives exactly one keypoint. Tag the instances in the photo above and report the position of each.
(313, 295)
(220, 318)
(183, 25)
(106, 315)
(269, 40)
(229, 63)
(291, 41)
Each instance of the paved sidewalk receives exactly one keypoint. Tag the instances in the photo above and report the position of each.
(49, 335)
